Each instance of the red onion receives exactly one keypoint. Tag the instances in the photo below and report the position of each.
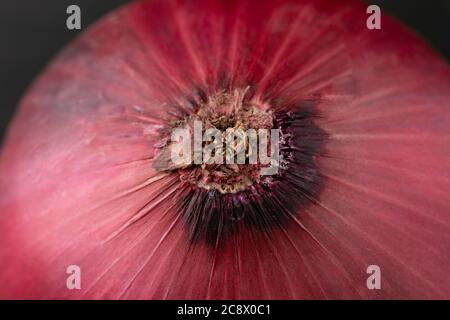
(365, 178)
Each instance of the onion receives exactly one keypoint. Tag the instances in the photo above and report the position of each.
(364, 181)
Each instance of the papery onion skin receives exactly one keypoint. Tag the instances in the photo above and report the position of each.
(78, 186)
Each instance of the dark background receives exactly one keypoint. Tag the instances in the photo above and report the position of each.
(32, 31)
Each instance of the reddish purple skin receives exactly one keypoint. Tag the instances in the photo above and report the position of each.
(78, 187)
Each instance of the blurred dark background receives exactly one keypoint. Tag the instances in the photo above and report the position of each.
(32, 31)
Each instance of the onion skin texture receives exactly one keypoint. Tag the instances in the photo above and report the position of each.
(78, 186)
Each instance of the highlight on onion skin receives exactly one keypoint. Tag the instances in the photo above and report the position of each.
(367, 181)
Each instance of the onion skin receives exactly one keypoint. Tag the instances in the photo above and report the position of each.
(78, 186)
